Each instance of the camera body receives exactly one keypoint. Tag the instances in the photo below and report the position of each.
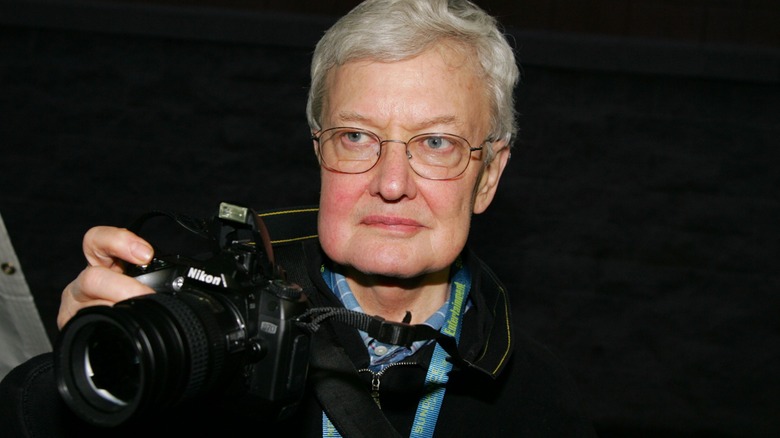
(222, 323)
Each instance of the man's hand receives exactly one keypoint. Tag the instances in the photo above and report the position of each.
(103, 282)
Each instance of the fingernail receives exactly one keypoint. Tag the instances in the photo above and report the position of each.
(141, 251)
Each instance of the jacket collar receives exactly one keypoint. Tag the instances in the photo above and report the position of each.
(486, 340)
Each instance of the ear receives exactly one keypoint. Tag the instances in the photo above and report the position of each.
(488, 182)
(314, 144)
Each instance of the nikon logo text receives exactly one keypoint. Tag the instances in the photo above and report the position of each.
(201, 275)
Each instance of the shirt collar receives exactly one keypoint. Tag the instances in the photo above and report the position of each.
(382, 354)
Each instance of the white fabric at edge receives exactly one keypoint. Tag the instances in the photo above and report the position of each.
(22, 334)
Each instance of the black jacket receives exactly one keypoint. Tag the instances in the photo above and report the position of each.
(514, 386)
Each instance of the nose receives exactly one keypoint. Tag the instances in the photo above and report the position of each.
(393, 178)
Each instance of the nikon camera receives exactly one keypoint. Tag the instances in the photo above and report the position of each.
(221, 326)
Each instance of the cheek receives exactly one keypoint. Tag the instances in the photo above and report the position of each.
(451, 203)
(339, 193)
(452, 207)
(337, 201)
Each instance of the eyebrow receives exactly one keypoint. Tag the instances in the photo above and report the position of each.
(350, 116)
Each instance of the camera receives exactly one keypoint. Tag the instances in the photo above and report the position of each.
(222, 326)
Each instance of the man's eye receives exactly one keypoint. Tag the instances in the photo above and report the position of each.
(353, 136)
(356, 138)
(437, 142)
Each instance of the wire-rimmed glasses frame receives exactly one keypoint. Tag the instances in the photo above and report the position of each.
(433, 155)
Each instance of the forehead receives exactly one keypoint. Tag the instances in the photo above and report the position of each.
(443, 82)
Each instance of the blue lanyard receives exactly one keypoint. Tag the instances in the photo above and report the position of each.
(438, 371)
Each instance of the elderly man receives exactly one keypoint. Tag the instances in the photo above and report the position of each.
(412, 117)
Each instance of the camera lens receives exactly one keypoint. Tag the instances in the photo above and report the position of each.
(145, 353)
(111, 365)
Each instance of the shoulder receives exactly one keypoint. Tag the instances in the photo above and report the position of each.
(535, 383)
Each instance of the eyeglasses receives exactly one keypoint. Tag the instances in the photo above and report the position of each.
(435, 156)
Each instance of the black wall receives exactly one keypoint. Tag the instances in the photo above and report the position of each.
(636, 225)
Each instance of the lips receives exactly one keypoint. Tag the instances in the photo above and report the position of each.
(391, 222)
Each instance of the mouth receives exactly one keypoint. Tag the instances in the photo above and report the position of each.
(392, 223)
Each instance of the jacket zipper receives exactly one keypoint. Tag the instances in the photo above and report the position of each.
(376, 376)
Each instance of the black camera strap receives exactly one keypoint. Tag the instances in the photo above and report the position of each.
(349, 407)
(389, 332)
(342, 394)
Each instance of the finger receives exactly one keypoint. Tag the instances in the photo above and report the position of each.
(97, 286)
(105, 246)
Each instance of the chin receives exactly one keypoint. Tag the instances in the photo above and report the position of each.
(409, 269)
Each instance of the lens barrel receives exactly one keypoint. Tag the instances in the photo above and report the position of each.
(145, 353)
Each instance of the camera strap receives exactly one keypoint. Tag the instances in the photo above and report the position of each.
(389, 332)
(400, 334)
(336, 383)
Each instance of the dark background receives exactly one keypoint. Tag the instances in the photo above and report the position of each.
(636, 224)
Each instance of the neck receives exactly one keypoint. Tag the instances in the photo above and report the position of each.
(392, 298)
